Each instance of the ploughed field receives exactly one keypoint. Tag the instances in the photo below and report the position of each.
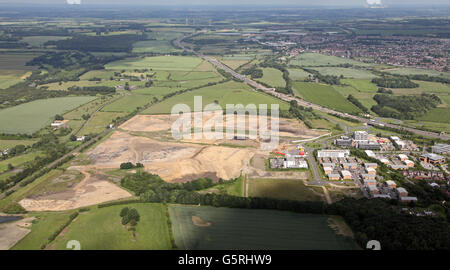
(208, 228)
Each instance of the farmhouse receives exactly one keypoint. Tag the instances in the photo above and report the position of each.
(57, 124)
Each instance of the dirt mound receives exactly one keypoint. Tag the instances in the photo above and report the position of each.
(200, 222)
(178, 162)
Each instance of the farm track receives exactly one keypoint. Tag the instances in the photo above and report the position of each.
(301, 102)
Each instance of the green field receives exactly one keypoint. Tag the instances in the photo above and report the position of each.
(324, 95)
(175, 63)
(8, 80)
(37, 41)
(154, 46)
(273, 77)
(437, 115)
(44, 225)
(6, 144)
(128, 103)
(107, 233)
(18, 161)
(32, 116)
(315, 59)
(361, 85)
(298, 74)
(247, 229)
(284, 189)
(346, 72)
(225, 93)
(417, 71)
(99, 122)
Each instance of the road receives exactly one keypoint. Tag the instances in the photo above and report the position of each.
(301, 102)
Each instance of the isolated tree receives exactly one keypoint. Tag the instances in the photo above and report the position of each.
(124, 211)
(59, 117)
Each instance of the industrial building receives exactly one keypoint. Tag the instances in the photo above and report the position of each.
(432, 158)
(441, 148)
(333, 153)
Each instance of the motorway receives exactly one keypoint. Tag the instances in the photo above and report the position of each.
(301, 102)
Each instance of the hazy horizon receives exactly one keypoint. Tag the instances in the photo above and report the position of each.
(300, 3)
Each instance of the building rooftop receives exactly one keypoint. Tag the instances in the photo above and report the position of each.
(432, 156)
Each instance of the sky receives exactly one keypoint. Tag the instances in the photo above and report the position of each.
(233, 2)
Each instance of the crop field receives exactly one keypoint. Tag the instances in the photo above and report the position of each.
(175, 63)
(156, 91)
(284, 189)
(8, 80)
(441, 115)
(200, 228)
(99, 122)
(424, 87)
(128, 103)
(107, 233)
(88, 108)
(154, 46)
(298, 74)
(225, 93)
(417, 71)
(66, 85)
(361, 85)
(5, 144)
(38, 41)
(324, 95)
(315, 59)
(32, 116)
(16, 61)
(346, 72)
(273, 77)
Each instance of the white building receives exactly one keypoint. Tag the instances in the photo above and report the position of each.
(333, 153)
(370, 153)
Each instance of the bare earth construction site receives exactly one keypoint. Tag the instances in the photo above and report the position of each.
(146, 139)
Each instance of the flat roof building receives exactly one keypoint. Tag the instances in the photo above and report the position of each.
(402, 192)
(432, 158)
(334, 176)
(346, 175)
(333, 153)
(391, 184)
(441, 148)
(370, 153)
